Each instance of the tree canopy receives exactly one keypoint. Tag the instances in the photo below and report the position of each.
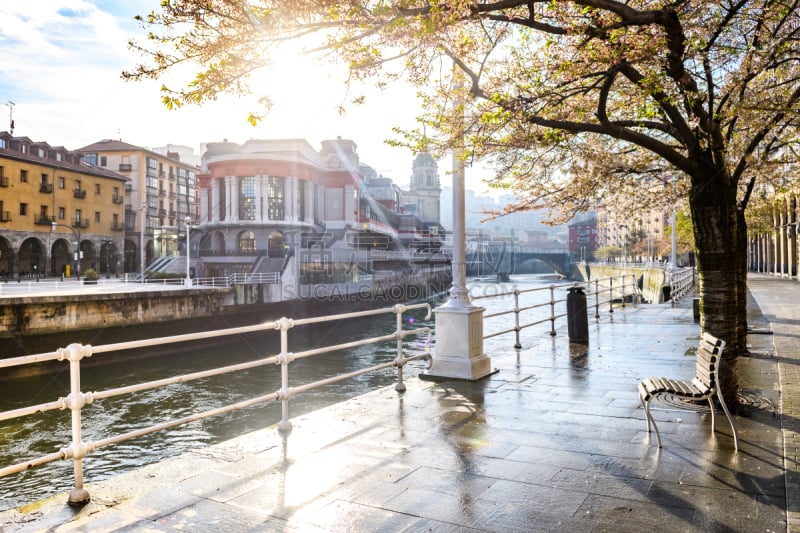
(577, 102)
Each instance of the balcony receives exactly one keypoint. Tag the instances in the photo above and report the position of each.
(125, 167)
(43, 220)
(117, 199)
(162, 192)
(5, 216)
(3, 181)
(162, 212)
(79, 193)
(46, 188)
(171, 176)
(80, 223)
(116, 226)
(172, 195)
(172, 213)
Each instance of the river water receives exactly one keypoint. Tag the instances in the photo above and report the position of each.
(30, 437)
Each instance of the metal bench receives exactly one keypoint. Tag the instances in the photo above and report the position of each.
(704, 385)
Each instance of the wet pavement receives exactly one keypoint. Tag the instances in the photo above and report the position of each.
(555, 440)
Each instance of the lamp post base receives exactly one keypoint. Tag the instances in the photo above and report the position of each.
(458, 353)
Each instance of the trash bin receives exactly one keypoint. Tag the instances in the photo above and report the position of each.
(577, 321)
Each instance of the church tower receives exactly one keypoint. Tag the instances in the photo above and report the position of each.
(425, 190)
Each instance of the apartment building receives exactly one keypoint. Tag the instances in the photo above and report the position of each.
(59, 215)
(160, 196)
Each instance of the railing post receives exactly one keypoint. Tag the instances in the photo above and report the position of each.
(77, 449)
(398, 311)
(672, 287)
(611, 294)
(622, 288)
(284, 358)
(518, 344)
(552, 311)
(597, 298)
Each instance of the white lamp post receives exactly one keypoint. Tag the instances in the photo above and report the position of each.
(141, 239)
(188, 251)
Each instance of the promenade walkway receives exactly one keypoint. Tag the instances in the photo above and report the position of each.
(554, 441)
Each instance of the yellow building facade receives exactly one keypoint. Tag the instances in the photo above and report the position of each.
(59, 215)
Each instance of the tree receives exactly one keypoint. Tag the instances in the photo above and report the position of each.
(576, 102)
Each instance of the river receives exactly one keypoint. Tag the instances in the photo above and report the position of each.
(29, 437)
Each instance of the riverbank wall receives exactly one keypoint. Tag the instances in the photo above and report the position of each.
(652, 282)
(44, 314)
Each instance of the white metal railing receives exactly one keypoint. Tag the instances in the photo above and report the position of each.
(78, 448)
(680, 282)
(605, 291)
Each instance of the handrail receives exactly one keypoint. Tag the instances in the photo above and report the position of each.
(76, 400)
(615, 293)
(680, 282)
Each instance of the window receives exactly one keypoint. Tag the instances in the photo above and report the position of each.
(59, 156)
(247, 242)
(23, 209)
(247, 199)
(62, 213)
(42, 153)
(44, 179)
(275, 198)
(301, 200)
(61, 182)
(103, 161)
(77, 185)
(97, 216)
(23, 176)
(3, 143)
(78, 216)
(97, 188)
(91, 159)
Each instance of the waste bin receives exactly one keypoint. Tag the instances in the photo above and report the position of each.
(577, 321)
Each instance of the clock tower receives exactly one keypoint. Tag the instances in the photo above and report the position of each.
(425, 190)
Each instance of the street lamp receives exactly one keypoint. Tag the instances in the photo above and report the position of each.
(188, 251)
(77, 253)
(141, 239)
(107, 247)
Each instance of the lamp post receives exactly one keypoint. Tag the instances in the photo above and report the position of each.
(188, 221)
(77, 253)
(107, 247)
(141, 239)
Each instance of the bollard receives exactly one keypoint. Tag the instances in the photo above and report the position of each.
(577, 321)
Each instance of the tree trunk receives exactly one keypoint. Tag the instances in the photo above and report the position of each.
(719, 266)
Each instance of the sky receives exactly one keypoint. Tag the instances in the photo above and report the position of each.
(61, 67)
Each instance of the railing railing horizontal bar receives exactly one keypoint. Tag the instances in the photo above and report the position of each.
(355, 344)
(496, 333)
(537, 322)
(27, 465)
(185, 420)
(31, 410)
(341, 377)
(343, 346)
(29, 359)
(534, 306)
(139, 387)
(146, 343)
(355, 314)
(499, 313)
